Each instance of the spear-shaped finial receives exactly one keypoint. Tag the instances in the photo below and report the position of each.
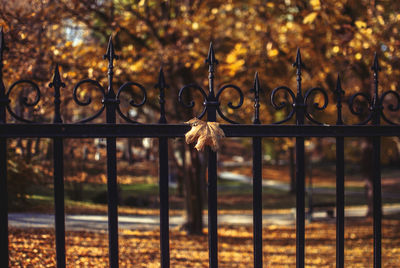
(375, 66)
(2, 44)
(376, 106)
(298, 63)
(256, 89)
(57, 84)
(161, 80)
(110, 53)
(211, 60)
(339, 92)
(256, 86)
(3, 98)
(110, 56)
(161, 85)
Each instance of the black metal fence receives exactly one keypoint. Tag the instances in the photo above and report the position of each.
(297, 102)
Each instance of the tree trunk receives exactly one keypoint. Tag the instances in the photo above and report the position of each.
(194, 175)
(367, 173)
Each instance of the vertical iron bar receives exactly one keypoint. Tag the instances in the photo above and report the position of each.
(377, 209)
(257, 202)
(163, 178)
(58, 152)
(112, 190)
(164, 202)
(257, 183)
(300, 174)
(339, 182)
(339, 202)
(376, 160)
(3, 203)
(212, 208)
(3, 164)
(211, 104)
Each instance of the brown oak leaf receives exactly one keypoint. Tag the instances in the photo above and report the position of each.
(204, 133)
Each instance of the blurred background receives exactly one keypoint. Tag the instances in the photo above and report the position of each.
(335, 37)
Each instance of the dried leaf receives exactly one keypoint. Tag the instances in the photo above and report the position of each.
(204, 133)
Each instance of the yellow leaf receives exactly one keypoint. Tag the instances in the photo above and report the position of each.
(231, 58)
(310, 18)
(195, 26)
(273, 52)
(360, 24)
(316, 4)
(380, 20)
(335, 49)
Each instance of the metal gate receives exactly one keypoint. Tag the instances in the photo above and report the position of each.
(299, 109)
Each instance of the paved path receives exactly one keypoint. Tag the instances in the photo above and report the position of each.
(99, 222)
(282, 186)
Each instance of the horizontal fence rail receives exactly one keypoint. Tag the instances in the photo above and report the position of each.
(299, 110)
(179, 130)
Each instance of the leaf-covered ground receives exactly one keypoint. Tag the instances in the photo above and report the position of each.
(36, 248)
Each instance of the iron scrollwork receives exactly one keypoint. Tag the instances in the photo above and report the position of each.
(360, 110)
(375, 103)
(299, 104)
(369, 107)
(285, 103)
(88, 99)
(125, 87)
(212, 102)
(24, 99)
(307, 96)
(230, 104)
(191, 104)
(391, 107)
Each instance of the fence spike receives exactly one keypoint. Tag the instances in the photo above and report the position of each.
(376, 105)
(110, 53)
(339, 92)
(256, 89)
(161, 85)
(110, 56)
(298, 64)
(375, 66)
(57, 84)
(2, 46)
(161, 80)
(211, 60)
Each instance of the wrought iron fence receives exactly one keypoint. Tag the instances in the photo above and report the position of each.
(299, 109)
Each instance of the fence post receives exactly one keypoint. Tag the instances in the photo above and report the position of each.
(3, 164)
(211, 104)
(300, 174)
(376, 162)
(257, 181)
(163, 178)
(58, 173)
(112, 191)
(339, 181)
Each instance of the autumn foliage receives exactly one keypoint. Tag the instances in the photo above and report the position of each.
(141, 248)
(334, 36)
